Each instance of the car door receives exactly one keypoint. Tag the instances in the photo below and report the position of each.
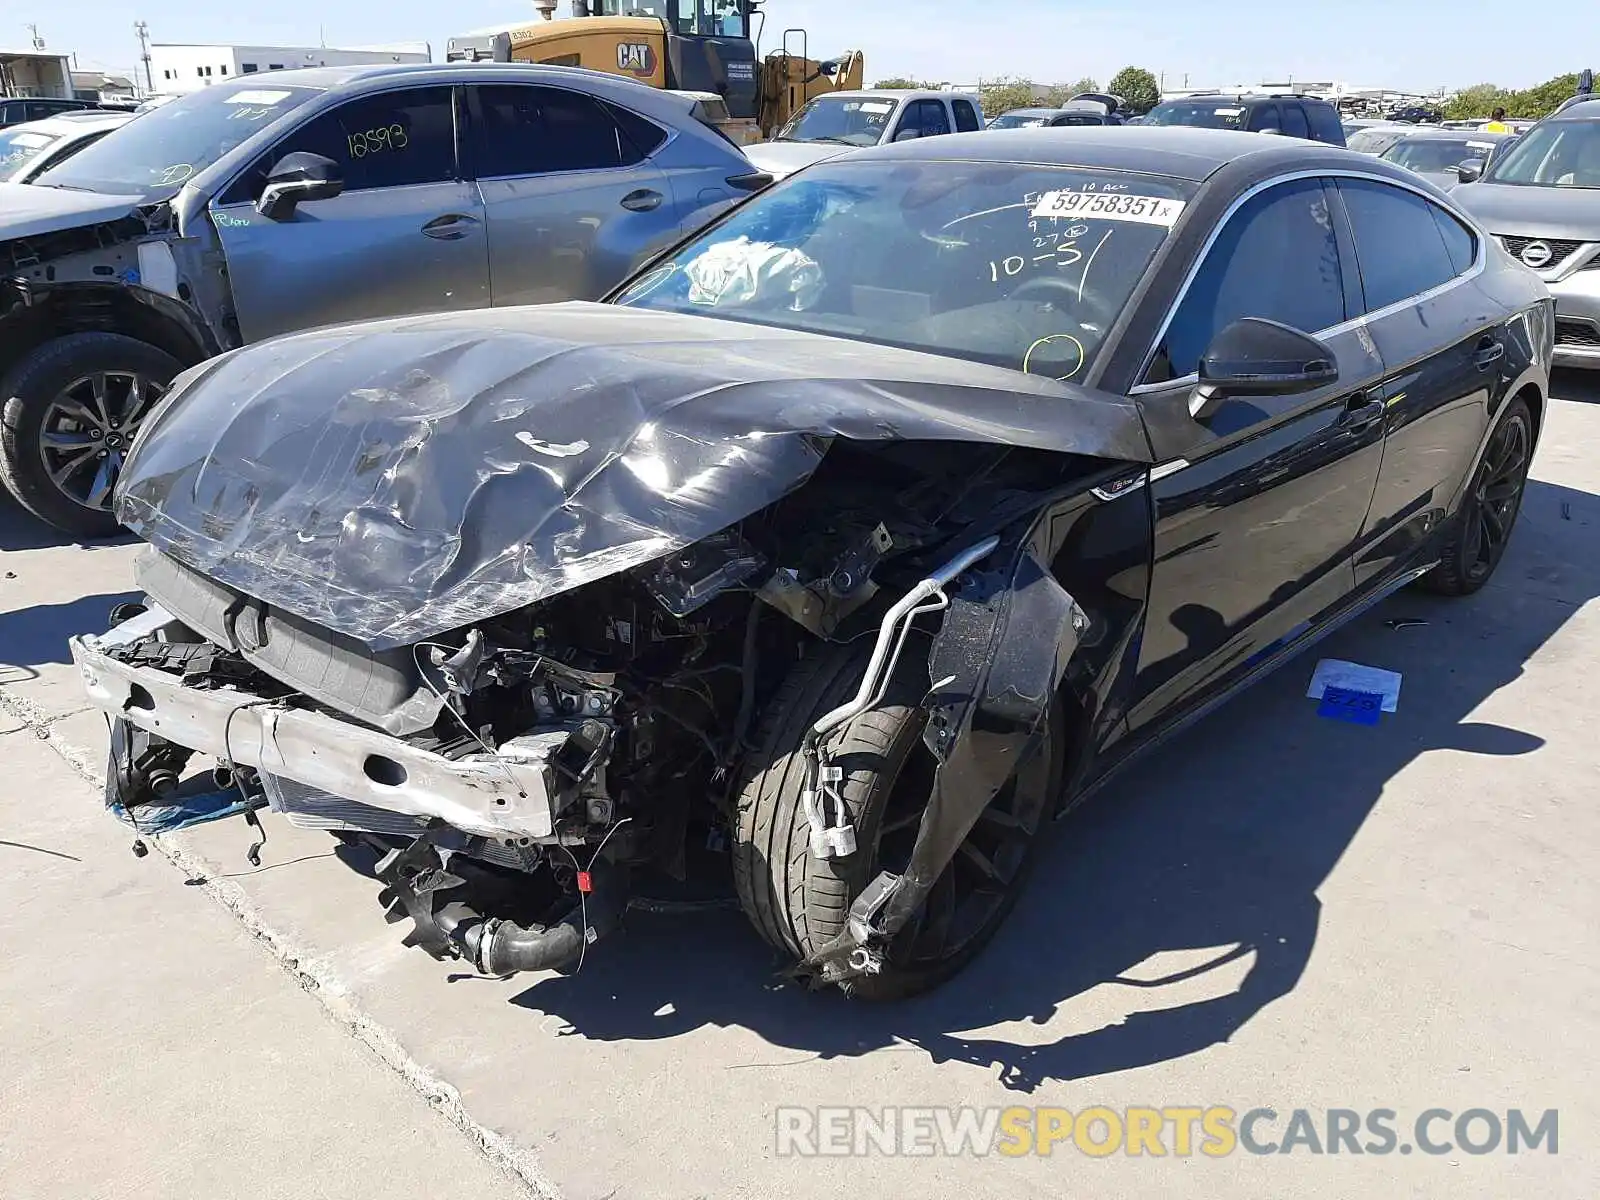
(1257, 509)
(927, 117)
(1442, 350)
(406, 234)
(572, 202)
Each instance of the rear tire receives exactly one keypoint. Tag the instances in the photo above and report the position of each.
(55, 465)
(1477, 536)
(799, 903)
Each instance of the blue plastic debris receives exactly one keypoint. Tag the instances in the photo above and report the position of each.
(1347, 704)
(185, 812)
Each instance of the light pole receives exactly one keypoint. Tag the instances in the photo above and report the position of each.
(143, 30)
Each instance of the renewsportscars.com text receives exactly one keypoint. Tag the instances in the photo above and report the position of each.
(1212, 1131)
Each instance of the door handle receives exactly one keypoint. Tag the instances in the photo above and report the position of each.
(450, 227)
(1489, 352)
(642, 200)
(1361, 410)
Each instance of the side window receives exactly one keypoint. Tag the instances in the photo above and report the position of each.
(1325, 125)
(926, 116)
(532, 130)
(394, 139)
(1459, 241)
(966, 117)
(1265, 117)
(640, 137)
(1277, 258)
(1399, 244)
(1294, 121)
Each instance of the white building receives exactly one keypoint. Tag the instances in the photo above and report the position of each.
(35, 73)
(178, 68)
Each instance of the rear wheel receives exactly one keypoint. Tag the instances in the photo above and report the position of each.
(72, 410)
(799, 903)
(1478, 535)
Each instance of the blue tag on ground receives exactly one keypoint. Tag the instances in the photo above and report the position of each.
(1345, 704)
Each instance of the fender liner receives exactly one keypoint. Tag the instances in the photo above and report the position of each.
(996, 665)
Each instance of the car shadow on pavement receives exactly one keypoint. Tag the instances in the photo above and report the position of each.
(21, 530)
(1572, 384)
(1208, 854)
(38, 634)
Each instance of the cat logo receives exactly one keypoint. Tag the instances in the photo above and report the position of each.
(636, 58)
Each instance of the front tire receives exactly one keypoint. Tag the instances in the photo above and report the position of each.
(799, 903)
(72, 409)
(1477, 536)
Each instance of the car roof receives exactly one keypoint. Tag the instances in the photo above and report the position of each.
(61, 124)
(1178, 151)
(892, 94)
(1587, 109)
(1031, 112)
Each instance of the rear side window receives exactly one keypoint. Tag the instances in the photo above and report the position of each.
(1325, 126)
(1294, 121)
(534, 130)
(642, 138)
(1277, 258)
(1400, 245)
(394, 139)
(966, 116)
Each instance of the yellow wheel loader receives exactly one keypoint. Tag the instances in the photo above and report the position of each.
(702, 47)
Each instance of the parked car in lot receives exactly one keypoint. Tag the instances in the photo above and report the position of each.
(1435, 154)
(1375, 139)
(835, 551)
(835, 122)
(250, 209)
(1087, 108)
(26, 150)
(1541, 198)
(18, 110)
(1286, 113)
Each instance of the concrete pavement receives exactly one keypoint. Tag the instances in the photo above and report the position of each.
(1277, 911)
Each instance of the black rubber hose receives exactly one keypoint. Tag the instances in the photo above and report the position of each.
(747, 674)
(504, 947)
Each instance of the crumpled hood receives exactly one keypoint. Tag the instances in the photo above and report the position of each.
(1549, 212)
(397, 479)
(28, 210)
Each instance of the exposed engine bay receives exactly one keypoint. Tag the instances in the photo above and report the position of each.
(599, 734)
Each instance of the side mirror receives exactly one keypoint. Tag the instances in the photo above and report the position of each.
(296, 177)
(907, 135)
(1469, 171)
(1257, 357)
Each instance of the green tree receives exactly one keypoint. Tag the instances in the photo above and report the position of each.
(1087, 84)
(1007, 92)
(900, 84)
(1479, 100)
(1137, 87)
(1541, 101)
(1060, 93)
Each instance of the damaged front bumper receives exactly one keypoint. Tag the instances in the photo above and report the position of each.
(510, 796)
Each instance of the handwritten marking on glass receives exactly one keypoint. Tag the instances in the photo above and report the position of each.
(378, 141)
(1056, 342)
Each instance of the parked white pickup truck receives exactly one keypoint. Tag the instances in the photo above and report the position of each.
(838, 121)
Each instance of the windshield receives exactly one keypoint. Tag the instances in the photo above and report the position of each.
(1017, 120)
(852, 119)
(1437, 155)
(1217, 113)
(19, 146)
(1553, 154)
(1012, 265)
(1374, 141)
(153, 155)
(705, 18)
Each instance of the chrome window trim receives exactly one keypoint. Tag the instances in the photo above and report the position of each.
(1480, 259)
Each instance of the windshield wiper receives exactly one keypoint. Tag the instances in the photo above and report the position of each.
(837, 140)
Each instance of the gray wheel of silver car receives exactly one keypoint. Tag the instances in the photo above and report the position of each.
(72, 410)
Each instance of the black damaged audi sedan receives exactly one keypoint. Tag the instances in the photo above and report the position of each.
(833, 553)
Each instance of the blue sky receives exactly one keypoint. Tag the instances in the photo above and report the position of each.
(1392, 43)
